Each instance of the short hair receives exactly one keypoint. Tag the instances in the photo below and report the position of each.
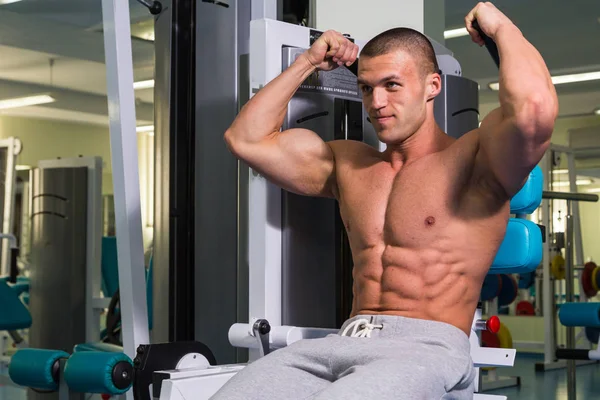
(407, 39)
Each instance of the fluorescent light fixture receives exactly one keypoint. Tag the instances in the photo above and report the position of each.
(144, 128)
(593, 190)
(597, 112)
(560, 171)
(26, 101)
(454, 33)
(3, 2)
(148, 36)
(144, 84)
(579, 182)
(23, 167)
(560, 79)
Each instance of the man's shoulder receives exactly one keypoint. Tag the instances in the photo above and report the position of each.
(349, 149)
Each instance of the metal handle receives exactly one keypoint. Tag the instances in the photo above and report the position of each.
(489, 44)
(261, 329)
(570, 196)
(154, 6)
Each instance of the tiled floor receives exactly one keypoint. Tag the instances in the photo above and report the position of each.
(551, 385)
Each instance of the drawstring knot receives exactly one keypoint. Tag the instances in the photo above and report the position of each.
(361, 328)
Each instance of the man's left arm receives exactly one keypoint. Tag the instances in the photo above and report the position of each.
(514, 137)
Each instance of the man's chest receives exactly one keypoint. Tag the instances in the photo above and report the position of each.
(380, 206)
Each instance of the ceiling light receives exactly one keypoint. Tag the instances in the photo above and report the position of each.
(3, 2)
(22, 167)
(560, 79)
(454, 33)
(26, 101)
(144, 84)
(594, 190)
(597, 112)
(560, 171)
(579, 182)
(148, 36)
(144, 128)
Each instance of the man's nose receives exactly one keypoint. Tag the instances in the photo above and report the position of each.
(378, 99)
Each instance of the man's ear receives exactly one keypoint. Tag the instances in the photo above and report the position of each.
(434, 86)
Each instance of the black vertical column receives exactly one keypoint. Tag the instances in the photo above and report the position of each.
(182, 164)
(218, 37)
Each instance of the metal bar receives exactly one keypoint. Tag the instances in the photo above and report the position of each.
(569, 196)
(573, 354)
(569, 296)
(183, 227)
(93, 239)
(264, 9)
(548, 310)
(9, 199)
(162, 175)
(126, 182)
(560, 149)
(578, 243)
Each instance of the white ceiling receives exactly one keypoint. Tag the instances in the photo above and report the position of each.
(57, 47)
(566, 33)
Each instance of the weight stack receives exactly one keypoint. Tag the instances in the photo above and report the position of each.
(58, 267)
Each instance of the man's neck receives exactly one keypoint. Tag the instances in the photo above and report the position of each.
(427, 140)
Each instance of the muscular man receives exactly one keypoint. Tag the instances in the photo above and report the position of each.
(425, 217)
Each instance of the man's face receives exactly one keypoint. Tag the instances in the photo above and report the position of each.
(393, 92)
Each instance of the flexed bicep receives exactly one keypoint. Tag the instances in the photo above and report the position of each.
(297, 160)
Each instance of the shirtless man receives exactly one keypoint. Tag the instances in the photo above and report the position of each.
(427, 215)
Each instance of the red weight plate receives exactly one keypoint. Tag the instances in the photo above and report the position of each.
(586, 279)
(489, 339)
(525, 308)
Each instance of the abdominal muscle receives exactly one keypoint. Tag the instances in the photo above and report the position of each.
(426, 284)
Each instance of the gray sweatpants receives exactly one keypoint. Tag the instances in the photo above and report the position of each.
(382, 357)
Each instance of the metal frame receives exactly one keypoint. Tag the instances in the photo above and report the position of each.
(9, 198)
(267, 37)
(548, 285)
(94, 302)
(126, 183)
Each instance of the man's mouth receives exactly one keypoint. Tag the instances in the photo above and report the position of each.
(383, 118)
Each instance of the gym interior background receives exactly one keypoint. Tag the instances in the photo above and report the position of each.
(53, 98)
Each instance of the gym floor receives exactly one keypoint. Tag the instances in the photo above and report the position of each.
(551, 385)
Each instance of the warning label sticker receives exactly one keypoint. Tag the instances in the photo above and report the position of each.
(339, 81)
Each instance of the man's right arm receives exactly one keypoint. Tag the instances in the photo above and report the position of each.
(297, 160)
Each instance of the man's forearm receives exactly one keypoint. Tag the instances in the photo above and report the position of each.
(524, 77)
(263, 114)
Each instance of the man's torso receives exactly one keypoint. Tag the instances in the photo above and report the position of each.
(422, 237)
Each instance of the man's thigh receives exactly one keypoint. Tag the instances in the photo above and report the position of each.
(294, 372)
(408, 374)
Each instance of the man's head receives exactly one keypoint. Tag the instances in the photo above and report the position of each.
(398, 77)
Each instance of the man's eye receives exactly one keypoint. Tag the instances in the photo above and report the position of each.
(392, 85)
(366, 89)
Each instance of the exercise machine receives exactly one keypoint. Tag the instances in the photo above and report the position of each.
(577, 314)
(280, 246)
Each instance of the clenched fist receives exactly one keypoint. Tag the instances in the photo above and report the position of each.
(489, 18)
(331, 50)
